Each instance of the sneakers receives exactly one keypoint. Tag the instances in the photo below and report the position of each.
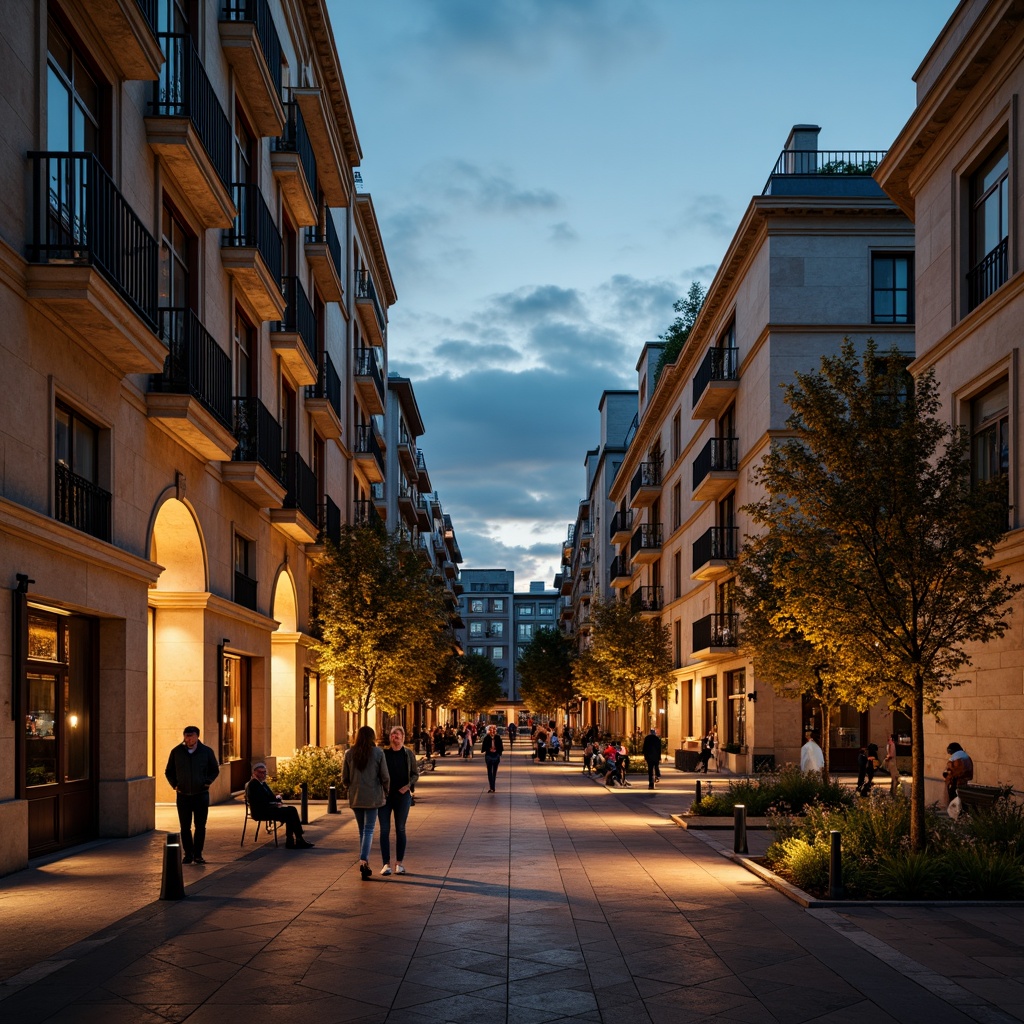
(386, 870)
(400, 870)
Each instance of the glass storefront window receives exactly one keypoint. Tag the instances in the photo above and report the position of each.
(42, 638)
(40, 731)
(231, 702)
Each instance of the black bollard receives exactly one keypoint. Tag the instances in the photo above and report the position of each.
(172, 885)
(696, 793)
(304, 815)
(332, 800)
(739, 842)
(835, 866)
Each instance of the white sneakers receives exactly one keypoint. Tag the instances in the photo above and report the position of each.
(400, 870)
(386, 870)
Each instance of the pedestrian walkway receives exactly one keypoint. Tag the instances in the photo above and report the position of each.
(554, 899)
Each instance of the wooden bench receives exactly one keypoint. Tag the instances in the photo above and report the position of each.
(979, 797)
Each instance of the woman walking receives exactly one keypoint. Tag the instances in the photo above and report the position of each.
(403, 772)
(365, 775)
(492, 748)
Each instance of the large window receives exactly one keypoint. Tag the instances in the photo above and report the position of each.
(476, 629)
(476, 605)
(79, 500)
(736, 684)
(245, 572)
(892, 294)
(990, 433)
(175, 262)
(496, 629)
(525, 631)
(72, 98)
(710, 684)
(989, 227)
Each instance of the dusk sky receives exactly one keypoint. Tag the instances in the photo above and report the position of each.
(550, 175)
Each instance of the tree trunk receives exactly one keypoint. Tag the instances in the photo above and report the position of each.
(826, 731)
(917, 830)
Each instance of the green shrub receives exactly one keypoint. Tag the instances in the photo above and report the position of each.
(907, 875)
(787, 790)
(982, 873)
(804, 864)
(1000, 826)
(319, 767)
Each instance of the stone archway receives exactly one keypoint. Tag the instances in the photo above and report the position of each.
(287, 701)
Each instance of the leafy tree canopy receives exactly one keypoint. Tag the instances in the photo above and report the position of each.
(481, 683)
(679, 330)
(383, 629)
(545, 671)
(877, 539)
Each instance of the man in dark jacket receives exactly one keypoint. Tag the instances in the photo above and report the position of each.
(652, 755)
(264, 805)
(191, 768)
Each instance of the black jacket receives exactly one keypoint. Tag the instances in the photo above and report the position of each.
(492, 745)
(191, 774)
(262, 801)
(652, 747)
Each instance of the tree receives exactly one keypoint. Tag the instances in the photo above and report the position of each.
(545, 671)
(627, 659)
(885, 538)
(383, 627)
(679, 330)
(481, 683)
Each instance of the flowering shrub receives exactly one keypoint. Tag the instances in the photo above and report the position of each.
(319, 767)
(785, 788)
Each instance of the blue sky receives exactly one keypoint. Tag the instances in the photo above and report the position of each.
(550, 175)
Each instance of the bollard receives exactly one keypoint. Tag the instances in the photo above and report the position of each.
(835, 866)
(304, 816)
(332, 800)
(739, 821)
(172, 886)
(696, 793)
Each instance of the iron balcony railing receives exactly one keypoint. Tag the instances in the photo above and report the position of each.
(365, 513)
(720, 629)
(149, 12)
(328, 385)
(718, 543)
(258, 12)
(329, 522)
(303, 489)
(296, 140)
(860, 162)
(719, 455)
(245, 591)
(647, 475)
(254, 227)
(647, 538)
(377, 492)
(328, 234)
(421, 461)
(258, 435)
(79, 216)
(621, 522)
(367, 444)
(366, 366)
(618, 568)
(990, 273)
(586, 530)
(365, 291)
(195, 365)
(80, 503)
(299, 316)
(184, 90)
(718, 364)
(648, 599)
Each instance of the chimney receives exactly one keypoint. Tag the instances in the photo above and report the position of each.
(802, 149)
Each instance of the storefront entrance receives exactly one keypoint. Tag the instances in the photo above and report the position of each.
(57, 755)
(235, 719)
(848, 732)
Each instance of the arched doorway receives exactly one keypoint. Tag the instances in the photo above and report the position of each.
(289, 683)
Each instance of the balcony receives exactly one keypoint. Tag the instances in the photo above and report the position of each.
(188, 129)
(619, 572)
(407, 453)
(368, 453)
(583, 563)
(332, 163)
(129, 29)
(567, 544)
(647, 601)
(645, 546)
(255, 469)
(645, 487)
(566, 613)
(622, 527)
(825, 172)
(422, 513)
(298, 518)
(293, 338)
(294, 167)
(371, 313)
(450, 569)
(323, 400)
(191, 399)
(245, 591)
(369, 381)
(585, 533)
(93, 263)
(250, 251)
(584, 588)
(80, 503)
(715, 383)
(253, 49)
(567, 584)
(378, 496)
(990, 273)
(716, 469)
(330, 523)
(407, 502)
(716, 636)
(714, 552)
(323, 254)
(364, 513)
(422, 476)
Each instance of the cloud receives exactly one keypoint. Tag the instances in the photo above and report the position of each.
(710, 213)
(489, 190)
(535, 304)
(563, 233)
(471, 356)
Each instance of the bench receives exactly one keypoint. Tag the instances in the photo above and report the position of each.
(979, 797)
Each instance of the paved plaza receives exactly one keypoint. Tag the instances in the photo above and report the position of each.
(551, 900)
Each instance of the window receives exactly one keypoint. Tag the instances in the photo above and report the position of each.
(175, 262)
(688, 710)
(546, 611)
(892, 294)
(481, 651)
(989, 227)
(79, 500)
(990, 433)
(710, 703)
(245, 572)
(736, 684)
(677, 506)
(496, 629)
(677, 575)
(677, 644)
(245, 368)
(526, 610)
(72, 98)
(677, 436)
(525, 631)
(476, 629)
(476, 605)
(497, 654)
(497, 604)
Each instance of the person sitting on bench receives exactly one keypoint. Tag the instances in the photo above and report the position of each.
(265, 806)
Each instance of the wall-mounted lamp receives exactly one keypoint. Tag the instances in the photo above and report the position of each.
(23, 583)
(752, 696)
